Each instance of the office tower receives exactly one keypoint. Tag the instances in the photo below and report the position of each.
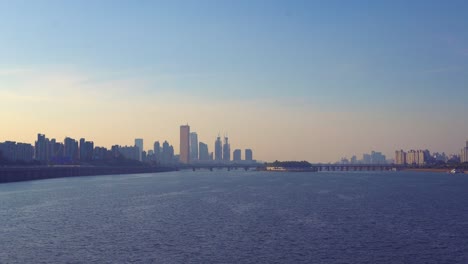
(218, 149)
(172, 158)
(203, 149)
(184, 155)
(400, 157)
(237, 155)
(226, 150)
(139, 145)
(193, 146)
(167, 154)
(157, 151)
(248, 155)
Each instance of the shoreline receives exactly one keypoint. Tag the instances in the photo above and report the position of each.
(430, 170)
(18, 174)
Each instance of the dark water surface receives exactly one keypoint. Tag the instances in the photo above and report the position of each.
(237, 217)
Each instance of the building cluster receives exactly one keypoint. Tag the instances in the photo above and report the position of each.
(413, 157)
(193, 151)
(13, 151)
(71, 151)
(424, 157)
(372, 158)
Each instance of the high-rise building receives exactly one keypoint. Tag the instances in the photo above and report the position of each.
(237, 155)
(218, 149)
(377, 158)
(13, 151)
(139, 145)
(203, 152)
(41, 147)
(184, 156)
(86, 150)
(193, 146)
(71, 149)
(417, 157)
(166, 153)
(248, 155)
(157, 151)
(130, 152)
(400, 157)
(366, 159)
(464, 153)
(226, 150)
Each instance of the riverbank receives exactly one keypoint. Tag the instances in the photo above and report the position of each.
(16, 174)
(429, 170)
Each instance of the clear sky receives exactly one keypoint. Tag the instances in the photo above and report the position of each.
(314, 80)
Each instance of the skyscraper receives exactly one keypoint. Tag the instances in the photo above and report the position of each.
(248, 155)
(237, 155)
(184, 156)
(157, 151)
(139, 145)
(193, 146)
(226, 150)
(218, 149)
(204, 155)
(165, 154)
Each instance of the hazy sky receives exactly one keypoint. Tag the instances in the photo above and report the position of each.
(314, 80)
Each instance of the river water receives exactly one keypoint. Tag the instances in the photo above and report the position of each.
(237, 217)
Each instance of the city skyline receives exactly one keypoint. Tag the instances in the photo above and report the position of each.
(293, 80)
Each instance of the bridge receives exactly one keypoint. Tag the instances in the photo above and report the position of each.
(314, 167)
(220, 166)
(356, 167)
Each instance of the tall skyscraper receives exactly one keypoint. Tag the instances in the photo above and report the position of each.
(184, 156)
(157, 151)
(139, 145)
(237, 155)
(226, 150)
(218, 149)
(248, 155)
(204, 154)
(165, 154)
(193, 146)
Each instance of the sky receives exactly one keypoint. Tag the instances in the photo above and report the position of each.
(293, 80)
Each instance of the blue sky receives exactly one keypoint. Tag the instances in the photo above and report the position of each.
(372, 57)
